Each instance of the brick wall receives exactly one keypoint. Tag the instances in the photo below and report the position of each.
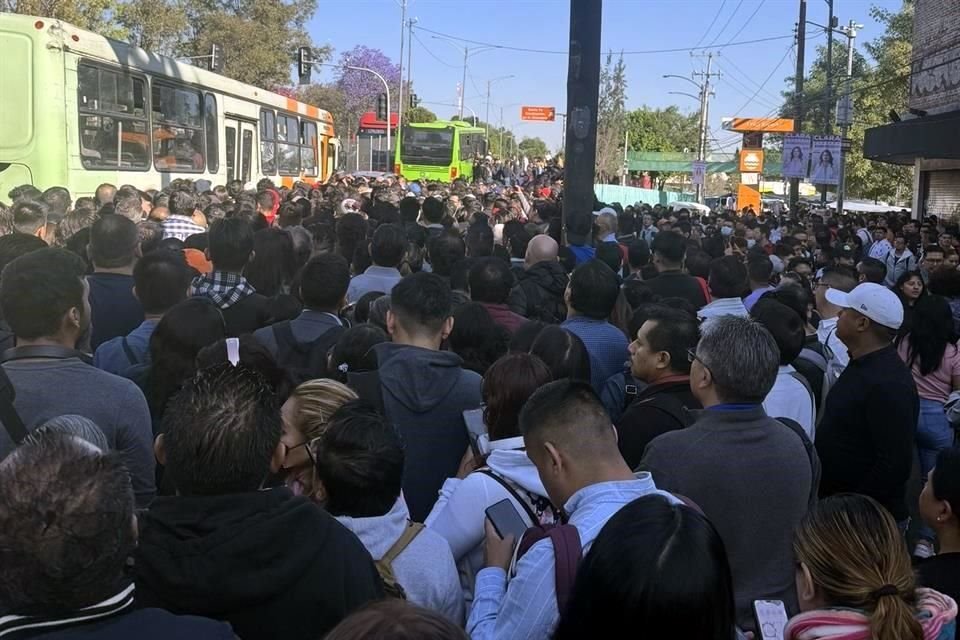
(935, 80)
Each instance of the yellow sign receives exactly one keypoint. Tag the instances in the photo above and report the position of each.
(751, 161)
(769, 125)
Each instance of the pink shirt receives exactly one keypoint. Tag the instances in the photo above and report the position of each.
(937, 384)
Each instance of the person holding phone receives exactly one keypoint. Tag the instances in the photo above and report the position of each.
(506, 473)
(854, 578)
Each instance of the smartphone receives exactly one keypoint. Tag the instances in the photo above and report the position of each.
(506, 520)
(476, 427)
(771, 618)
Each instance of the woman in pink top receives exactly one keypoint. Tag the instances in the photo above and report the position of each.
(930, 350)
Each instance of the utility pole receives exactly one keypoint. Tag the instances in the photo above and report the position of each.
(704, 115)
(463, 83)
(851, 32)
(410, 24)
(403, 20)
(583, 91)
(798, 94)
(827, 120)
(486, 118)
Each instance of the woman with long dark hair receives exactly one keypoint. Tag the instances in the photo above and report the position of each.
(940, 509)
(657, 570)
(273, 266)
(930, 350)
(477, 338)
(563, 352)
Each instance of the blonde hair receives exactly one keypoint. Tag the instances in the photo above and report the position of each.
(316, 401)
(858, 559)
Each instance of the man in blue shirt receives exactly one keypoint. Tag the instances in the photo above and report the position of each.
(387, 248)
(569, 438)
(160, 281)
(590, 297)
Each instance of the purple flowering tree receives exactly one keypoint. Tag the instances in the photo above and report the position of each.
(361, 88)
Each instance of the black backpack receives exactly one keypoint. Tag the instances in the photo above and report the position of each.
(303, 360)
(542, 307)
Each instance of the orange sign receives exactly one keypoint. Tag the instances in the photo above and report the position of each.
(747, 197)
(751, 161)
(770, 125)
(538, 114)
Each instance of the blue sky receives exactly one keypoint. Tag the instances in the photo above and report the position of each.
(629, 25)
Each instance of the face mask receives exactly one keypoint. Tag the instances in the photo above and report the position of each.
(726, 231)
(750, 243)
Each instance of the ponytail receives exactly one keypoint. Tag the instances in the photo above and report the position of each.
(893, 616)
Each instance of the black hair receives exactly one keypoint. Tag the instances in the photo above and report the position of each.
(931, 332)
(182, 203)
(324, 281)
(873, 270)
(568, 413)
(784, 325)
(946, 477)
(792, 295)
(359, 460)
(446, 250)
(564, 352)
(476, 338)
(638, 253)
(361, 310)
(351, 231)
(24, 192)
(273, 266)
(698, 263)
(433, 210)
(479, 240)
(161, 279)
(654, 566)
(760, 269)
(58, 202)
(675, 332)
(728, 277)
(29, 215)
(220, 432)
(66, 525)
(409, 209)
(670, 246)
(593, 290)
(113, 242)
(388, 245)
(38, 289)
(490, 280)
(289, 215)
(421, 301)
(198, 241)
(14, 245)
(609, 254)
(253, 355)
(523, 337)
(354, 351)
(638, 292)
(183, 331)
(231, 243)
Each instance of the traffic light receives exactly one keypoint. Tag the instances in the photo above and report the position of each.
(304, 64)
(414, 101)
(216, 58)
(382, 107)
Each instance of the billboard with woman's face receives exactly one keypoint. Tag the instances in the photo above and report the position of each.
(796, 154)
(825, 159)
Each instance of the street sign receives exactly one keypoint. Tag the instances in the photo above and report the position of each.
(538, 114)
(770, 125)
(751, 161)
(845, 144)
(699, 172)
(750, 178)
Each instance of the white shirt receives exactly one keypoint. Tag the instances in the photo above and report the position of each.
(723, 307)
(827, 334)
(879, 250)
(789, 398)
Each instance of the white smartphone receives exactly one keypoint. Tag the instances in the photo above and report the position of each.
(771, 618)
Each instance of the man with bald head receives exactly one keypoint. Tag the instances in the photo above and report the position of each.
(538, 294)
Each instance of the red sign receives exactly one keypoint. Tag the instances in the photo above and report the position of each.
(538, 114)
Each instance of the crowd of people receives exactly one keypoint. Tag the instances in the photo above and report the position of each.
(302, 412)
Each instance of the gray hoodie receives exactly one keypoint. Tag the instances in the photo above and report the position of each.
(425, 569)
(425, 393)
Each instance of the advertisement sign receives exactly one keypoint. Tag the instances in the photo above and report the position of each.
(538, 114)
(825, 159)
(796, 155)
(751, 161)
(699, 172)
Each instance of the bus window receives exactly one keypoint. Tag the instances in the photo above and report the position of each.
(178, 139)
(308, 152)
(268, 144)
(426, 146)
(210, 126)
(112, 115)
(467, 142)
(288, 145)
(231, 143)
(246, 155)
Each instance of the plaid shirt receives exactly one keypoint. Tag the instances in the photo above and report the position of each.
(224, 288)
(180, 227)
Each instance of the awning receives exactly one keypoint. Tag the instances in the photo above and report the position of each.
(930, 137)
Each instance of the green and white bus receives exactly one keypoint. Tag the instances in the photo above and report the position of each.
(78, 110)
(440, 151)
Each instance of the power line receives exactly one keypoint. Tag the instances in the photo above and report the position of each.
(433, 55)
(773, 71)
(712, 22)
(747, 21)
(726, 24)
(744, 90)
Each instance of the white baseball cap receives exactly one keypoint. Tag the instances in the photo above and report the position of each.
(872, 300)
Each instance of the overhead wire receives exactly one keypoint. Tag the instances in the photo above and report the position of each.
(726, 24)
(747, 21)
(712, 22)
(432, 54)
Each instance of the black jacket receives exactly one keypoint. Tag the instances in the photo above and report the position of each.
(538, 294)
(271, 564)
(657, 409)
(248, 315)
(675, 284)
(865, 437)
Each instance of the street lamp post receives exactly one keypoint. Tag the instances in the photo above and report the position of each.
(386, 87)
(467, 52)
(486, 118)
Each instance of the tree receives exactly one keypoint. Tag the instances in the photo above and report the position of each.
(610, 116)
(157, 26)
(533, 148)
(331, 98)
(93, 15)
(361, 88)
(418, 114)
(662, 130)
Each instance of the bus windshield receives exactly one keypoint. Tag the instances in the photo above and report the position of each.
(426, 146)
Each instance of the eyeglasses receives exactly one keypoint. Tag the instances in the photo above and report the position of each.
(692, 355)
(308, 447)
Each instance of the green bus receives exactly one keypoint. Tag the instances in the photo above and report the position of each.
(439, 151)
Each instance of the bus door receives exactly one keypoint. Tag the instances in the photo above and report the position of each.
(239, 137)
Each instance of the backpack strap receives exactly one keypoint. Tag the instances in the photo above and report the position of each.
(127, 351)
(283, 334)
(412, 530)
(814, 460)
(534, 520)
(812, 356)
